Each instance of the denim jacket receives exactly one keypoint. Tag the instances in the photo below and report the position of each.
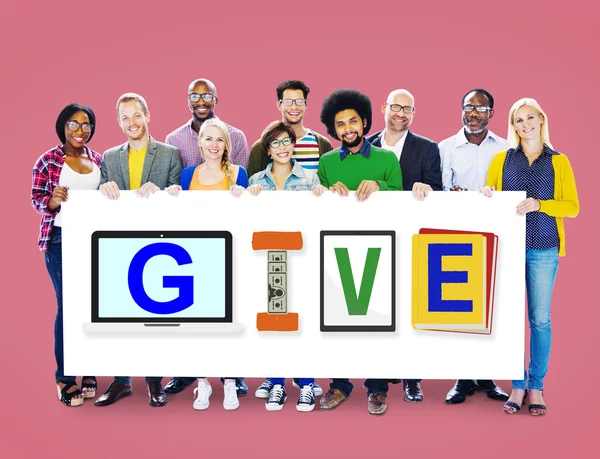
(299, 180)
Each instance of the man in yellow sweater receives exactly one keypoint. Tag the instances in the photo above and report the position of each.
(145, 165)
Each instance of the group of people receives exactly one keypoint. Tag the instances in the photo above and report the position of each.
(209, 154)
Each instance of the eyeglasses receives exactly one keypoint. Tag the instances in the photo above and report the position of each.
(74, 126)
(285, 142)
(288, 102)
(406, 109)
(479, 108)
(206, 97)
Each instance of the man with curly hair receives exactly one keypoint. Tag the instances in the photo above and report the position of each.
(355, 166)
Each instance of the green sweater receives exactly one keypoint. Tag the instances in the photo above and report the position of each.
(382, 166)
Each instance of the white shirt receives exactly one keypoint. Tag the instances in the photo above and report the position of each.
(397, 149)
(466, 164)
(76, 181)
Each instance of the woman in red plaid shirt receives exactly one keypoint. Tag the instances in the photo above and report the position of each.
(69, 166)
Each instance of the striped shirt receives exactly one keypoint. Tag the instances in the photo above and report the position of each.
(538, 181)
(186, 140)
(306, 152)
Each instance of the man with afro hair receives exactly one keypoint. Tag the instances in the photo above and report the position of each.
(355, 166)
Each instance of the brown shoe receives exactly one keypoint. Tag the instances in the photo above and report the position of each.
(332, 399)
(377, 403)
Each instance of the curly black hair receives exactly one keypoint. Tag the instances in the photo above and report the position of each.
(67, 112)
(346, 99)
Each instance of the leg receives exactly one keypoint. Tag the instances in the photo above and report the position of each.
(339, 390)
(541, 269)
(120, 387)
(376, 395)
(156, 393)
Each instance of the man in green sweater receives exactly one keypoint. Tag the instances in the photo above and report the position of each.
(355, 166)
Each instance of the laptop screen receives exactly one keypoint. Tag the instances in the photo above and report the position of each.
(151, 276)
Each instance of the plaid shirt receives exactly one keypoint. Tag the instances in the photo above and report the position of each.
(45, 177)
(186, 140)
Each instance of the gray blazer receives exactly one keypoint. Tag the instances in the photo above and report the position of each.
(162, 165)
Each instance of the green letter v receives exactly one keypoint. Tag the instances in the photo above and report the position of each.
(357, 306)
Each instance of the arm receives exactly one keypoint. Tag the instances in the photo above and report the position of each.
(175, 169)
(322, 174)
(393, 176)
(103, 171)
(186, 177)
(493, 175)
(432, 173)
(568, 205)
(239, 145)
(325, 145)
(40, 188)
(254, 161)
(242, 178)
(447, 178)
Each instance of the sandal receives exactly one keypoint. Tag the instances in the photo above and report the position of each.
(69, 398)
(89, 389)
(516, 407)
(537, 409)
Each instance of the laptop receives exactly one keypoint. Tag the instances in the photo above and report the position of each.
(162, 281)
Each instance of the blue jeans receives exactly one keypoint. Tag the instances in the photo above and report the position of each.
(53, 258)
(381, 385)
(343, 385)
(301, 381)
(189, 380)
(540, 273)
(127, 379)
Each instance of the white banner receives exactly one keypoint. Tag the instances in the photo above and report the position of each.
(403, 353)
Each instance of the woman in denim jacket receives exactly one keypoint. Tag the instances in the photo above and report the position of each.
(284, 173)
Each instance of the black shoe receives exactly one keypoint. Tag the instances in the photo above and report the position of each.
(491, 390)
(115, 391)
(174, 386)
(156, 393)
(241, 387)
(412, 391)
(459, 392)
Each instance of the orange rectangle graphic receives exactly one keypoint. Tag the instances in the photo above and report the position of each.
(277, 240)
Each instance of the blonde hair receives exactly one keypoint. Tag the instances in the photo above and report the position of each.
(128, 97)
(514, 140)
(225, 160)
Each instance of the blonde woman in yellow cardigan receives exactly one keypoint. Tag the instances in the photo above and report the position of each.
(532, 165)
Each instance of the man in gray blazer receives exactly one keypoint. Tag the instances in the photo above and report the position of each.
(145, 165)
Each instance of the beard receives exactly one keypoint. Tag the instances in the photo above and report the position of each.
(210, 115)
(355, 143)
(483, 127)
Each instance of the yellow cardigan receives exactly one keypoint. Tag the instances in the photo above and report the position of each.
(565, 202)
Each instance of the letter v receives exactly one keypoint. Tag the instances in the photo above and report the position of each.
(357, 306)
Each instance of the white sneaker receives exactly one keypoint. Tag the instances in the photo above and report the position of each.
(230, 402)
(202, 394)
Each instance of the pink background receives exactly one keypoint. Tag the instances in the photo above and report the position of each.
(54, 53)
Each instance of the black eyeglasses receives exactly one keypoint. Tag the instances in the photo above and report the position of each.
(73, 126)
(288, 102)
(206, 97)
(479, 108)
(285, 142)
(406, 108)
